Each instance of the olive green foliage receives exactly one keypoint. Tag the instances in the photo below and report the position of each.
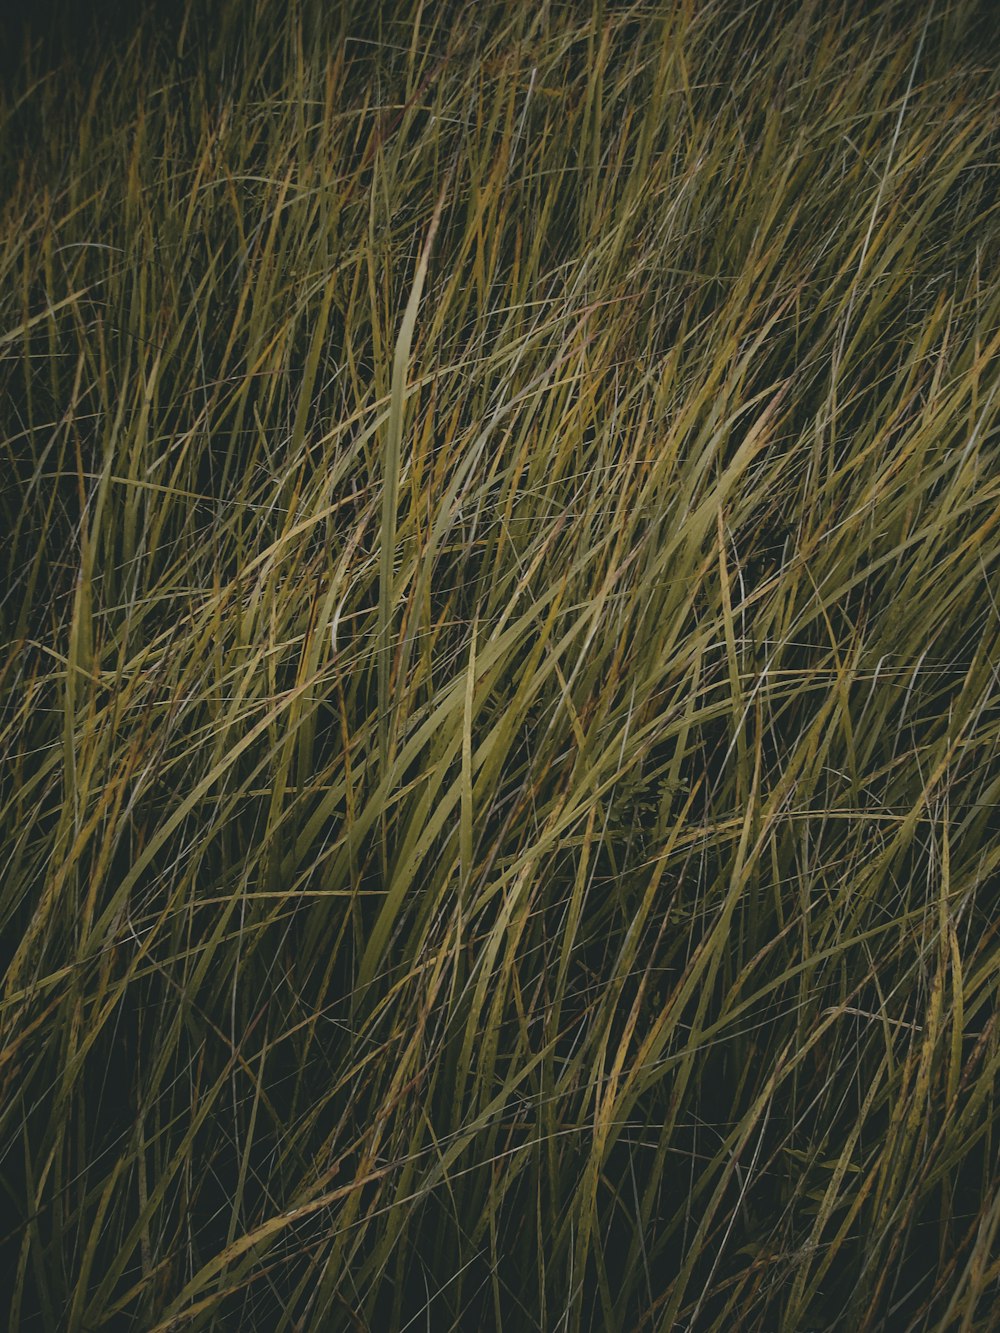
(499, 700)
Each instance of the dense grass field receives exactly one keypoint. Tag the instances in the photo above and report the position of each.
(499, 691)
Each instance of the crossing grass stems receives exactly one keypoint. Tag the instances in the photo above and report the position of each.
(499, 707)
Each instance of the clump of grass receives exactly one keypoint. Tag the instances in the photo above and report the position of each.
(499, 701)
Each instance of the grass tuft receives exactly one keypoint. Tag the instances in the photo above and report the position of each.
(499, 711)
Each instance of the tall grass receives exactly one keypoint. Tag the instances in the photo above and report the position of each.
(500, 709)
